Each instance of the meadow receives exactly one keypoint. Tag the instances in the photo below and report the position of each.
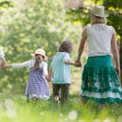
(26, 25)
(17, 109)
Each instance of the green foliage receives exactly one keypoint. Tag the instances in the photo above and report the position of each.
(82, 13)
(4, 4)
(31, 24)
(114, 8)
(115, 19)
(79, 15)
(115, 4)
(17, 109)
(115, 16)
(27, 31)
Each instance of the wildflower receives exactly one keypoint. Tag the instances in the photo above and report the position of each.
(9, 104)
(73, 115)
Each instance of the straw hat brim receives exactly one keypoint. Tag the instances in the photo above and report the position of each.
(106, 14)
(103, 16)
(45, 57)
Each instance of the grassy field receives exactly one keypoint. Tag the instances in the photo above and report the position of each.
(16, 109)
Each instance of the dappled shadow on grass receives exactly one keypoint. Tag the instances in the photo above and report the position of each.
(18, 109)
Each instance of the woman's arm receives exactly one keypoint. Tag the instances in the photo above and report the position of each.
(115, 52)
(82, 43)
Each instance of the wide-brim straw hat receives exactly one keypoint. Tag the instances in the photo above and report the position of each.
(41, 52)
(99, 11)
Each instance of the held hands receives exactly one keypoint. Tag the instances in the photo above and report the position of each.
(78, 64)
(5, 66)
(48, 78)
(1, 63)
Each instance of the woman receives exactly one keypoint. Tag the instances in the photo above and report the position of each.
(99, 78)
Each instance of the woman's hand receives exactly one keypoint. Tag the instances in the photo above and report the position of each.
(118, 71)
(78, 64)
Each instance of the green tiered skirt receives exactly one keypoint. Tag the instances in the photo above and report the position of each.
(100, 81)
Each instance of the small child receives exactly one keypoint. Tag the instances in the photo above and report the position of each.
(37, 86)
(60, 71)
(2, 58)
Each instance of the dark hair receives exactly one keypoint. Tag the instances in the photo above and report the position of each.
(66, 46)
(37, 65)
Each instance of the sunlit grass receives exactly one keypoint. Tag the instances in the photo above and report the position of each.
(16, 109)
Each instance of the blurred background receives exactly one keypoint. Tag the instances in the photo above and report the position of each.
(26, 25)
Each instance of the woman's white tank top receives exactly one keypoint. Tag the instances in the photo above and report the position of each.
(99, 38)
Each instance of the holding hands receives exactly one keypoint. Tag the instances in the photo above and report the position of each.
(5, 66)
(48, 78)
(76, 63)
(1, 63)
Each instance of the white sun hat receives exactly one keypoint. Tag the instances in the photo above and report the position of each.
(40, 51)
(99, 11)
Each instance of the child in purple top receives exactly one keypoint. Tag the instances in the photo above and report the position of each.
(37, 86)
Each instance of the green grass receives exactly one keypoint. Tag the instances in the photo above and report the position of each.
(16, 109)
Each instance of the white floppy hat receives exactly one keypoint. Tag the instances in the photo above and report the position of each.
(99, 11)
(40, 51)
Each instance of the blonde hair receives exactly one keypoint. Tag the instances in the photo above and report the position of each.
(97, 20)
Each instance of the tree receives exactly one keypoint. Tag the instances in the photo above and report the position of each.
(115, 19)
(31, 24)
(80, 14)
